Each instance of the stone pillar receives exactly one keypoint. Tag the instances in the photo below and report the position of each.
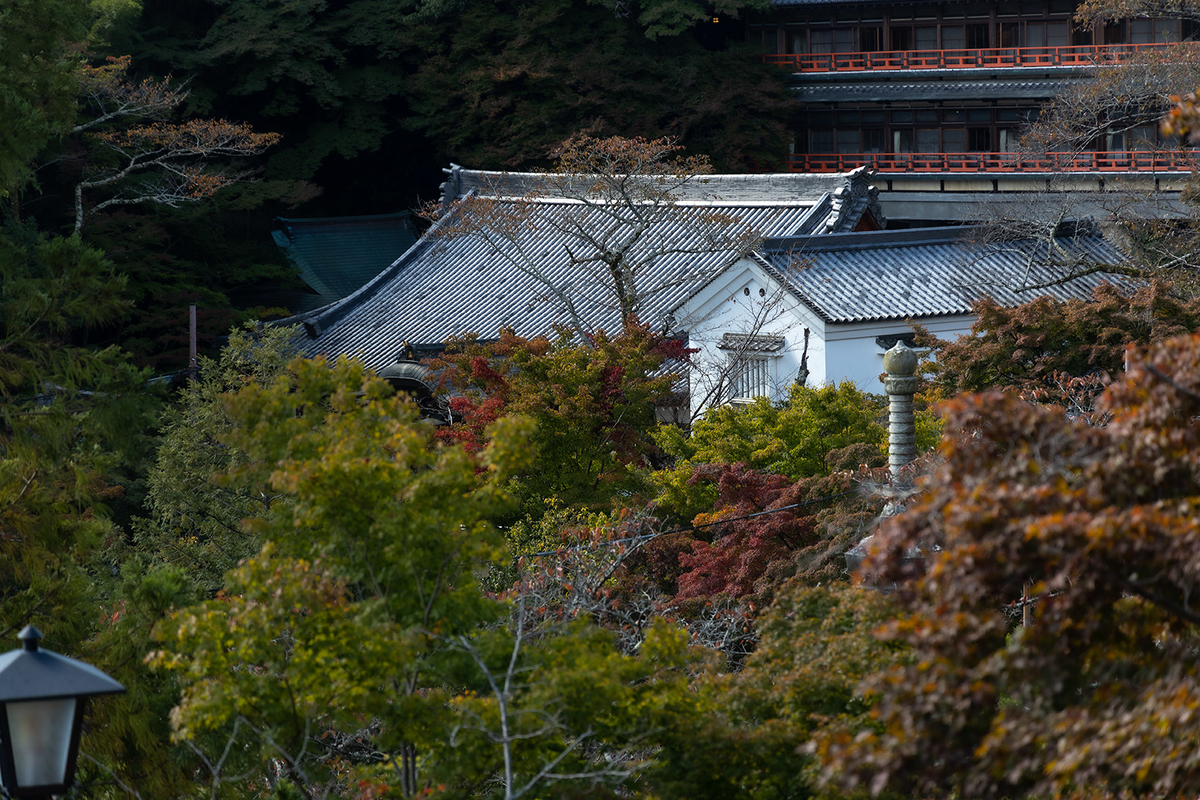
(901, 384)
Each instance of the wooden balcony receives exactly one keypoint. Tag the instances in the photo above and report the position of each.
(1137, 161)
(998, 57)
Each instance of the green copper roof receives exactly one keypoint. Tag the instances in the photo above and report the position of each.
(337, 255)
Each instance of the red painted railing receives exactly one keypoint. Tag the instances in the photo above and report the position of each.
(1079, 55)
(990, 163)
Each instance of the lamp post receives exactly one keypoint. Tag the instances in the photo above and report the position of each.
(42, 698)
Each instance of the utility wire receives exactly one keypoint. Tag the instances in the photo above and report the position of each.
(645, 537)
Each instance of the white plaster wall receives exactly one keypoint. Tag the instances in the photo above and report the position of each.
(853, 354)
(746, 300)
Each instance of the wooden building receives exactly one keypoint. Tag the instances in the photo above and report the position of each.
(945, 88)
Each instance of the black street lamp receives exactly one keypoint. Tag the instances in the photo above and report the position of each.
(42, 697)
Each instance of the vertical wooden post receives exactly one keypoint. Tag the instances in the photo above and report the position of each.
(192, 340)
(1026, 617)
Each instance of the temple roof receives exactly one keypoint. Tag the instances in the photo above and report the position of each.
(449, 286)
(932, 86)
(337, 255)
(925, 272)
(773, 189)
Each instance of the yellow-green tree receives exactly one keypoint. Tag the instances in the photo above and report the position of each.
(357, 648)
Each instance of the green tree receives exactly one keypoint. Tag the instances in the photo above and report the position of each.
(750, 737)
(195, 521)
(69, 416)
(496, 85)
(326, 75)
(38, 66)
(74, 424)
(349, 652)
(200, 254)
(367, 546)
(499, 84)
(792, 438)
(593, 404)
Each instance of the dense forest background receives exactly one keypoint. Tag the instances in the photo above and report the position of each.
(369, 99)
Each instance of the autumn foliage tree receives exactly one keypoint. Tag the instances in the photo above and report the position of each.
(777, 529)
(141, 156)
(1029, 348)
(1094, 526)
(593, 404)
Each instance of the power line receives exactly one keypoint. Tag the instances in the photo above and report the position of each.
(645, 537)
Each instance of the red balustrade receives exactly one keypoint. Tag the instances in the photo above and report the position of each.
(1071, 56)
(992, 163)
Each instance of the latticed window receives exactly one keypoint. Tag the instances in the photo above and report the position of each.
(750, 363)
(752, 378)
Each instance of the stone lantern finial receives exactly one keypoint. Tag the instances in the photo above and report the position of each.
(901, 384)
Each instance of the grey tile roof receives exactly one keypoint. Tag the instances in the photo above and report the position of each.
(885, 90)
(769, 188)
(442, 288)
(445, 287)
(796, 3)
(924, 272)
(337, 255)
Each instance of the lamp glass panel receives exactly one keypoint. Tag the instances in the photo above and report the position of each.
(41, 736)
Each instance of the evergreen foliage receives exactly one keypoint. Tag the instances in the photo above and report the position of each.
(500, 84)
(74, 424)
(173, 258)
(194, 521)
(38, 65)
(496, 85)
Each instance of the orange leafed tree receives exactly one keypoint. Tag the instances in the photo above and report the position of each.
(1093, 531)
(143, 157)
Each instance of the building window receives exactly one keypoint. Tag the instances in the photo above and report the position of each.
(751, 360)
(980, 140)
(1147, 31)
(849, 141)
(1048, 34)
(1143, 138)
(751, 378)
(838, 40)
